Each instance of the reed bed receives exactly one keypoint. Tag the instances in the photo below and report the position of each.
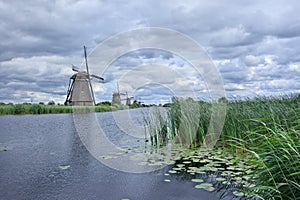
(277, 158)
(266, 128)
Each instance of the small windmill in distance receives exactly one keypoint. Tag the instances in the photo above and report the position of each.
(116, 97)
(128, 99)
(80, 91)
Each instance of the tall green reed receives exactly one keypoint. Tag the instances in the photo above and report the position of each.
(156, 126)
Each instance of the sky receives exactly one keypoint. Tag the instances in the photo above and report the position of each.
(254, 45)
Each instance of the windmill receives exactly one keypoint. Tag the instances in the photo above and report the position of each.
(116, 97)
(128, 99)
(80, 91)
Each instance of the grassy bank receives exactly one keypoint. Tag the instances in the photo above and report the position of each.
(18, 109)
(265, 129)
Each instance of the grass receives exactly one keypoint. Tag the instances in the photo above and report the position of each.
(266, 128)
(18, 109)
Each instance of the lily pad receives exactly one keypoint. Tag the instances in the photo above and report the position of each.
(177, 168)
(167, 180)
(238, 193)
(119, 153)
(225, 182)
(213, 169)
(220, 179)
(203, 185)
(180, 165)
(3, 148)
(231, 168)
(197, 180)
(107, 157)
(172, 172)
(64, 167)
(210, 189)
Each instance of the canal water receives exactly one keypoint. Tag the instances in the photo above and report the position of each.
(44, 158)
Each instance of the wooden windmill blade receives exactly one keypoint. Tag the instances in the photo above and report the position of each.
(75, 69)
(98, 77)
(88, 75)
(70, 88)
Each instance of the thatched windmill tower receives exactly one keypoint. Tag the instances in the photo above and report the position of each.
(80, 91)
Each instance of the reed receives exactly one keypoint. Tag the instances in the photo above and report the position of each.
(156, 126)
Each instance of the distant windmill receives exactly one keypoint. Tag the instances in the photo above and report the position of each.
(128, 99)
(80, 91)
(116, 98)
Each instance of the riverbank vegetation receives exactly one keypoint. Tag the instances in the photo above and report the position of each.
(266, 131)
(19, 109)
(52, 108)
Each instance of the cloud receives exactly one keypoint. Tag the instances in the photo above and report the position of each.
(255, 44)
(32, 76)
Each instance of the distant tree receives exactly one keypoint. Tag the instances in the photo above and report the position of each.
(51, 103)
(168, 104)
(190, 99)
(222, 100)
(41, 103)
(104, 103)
